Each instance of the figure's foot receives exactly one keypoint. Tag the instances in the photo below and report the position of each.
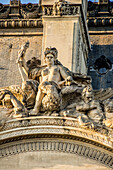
(17, 116)
(20, 115)
(34, 113)
(55, 114)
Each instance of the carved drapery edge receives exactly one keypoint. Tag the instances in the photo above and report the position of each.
(53, 125)
(59, 146)
(21, 23)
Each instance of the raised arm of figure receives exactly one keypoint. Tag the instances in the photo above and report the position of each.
(22, 65)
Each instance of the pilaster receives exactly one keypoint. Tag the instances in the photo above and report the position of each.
(65, 28)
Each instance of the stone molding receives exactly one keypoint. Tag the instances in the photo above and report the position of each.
(25, 11)
(100, 21)
(53, 125)
(21, 23)
(100, 14)
(39, 33)
(64, 146)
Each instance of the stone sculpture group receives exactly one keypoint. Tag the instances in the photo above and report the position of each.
(53, 90)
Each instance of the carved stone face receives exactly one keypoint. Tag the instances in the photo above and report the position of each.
(87, 94)
(49, 59)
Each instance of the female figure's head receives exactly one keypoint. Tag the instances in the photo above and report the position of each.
(50, 56)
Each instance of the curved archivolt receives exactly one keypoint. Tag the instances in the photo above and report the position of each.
(59, 145)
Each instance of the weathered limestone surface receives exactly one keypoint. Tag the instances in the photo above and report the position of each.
(65, 27)
(101, 40)
(53, 143)
(46, 160)
(67, 31)
(83, 3)
(59, 32)
(100, 24)
(54, 120)
(9, 46)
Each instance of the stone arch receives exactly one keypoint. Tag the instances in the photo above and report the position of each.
(73, 147)
(54, 135)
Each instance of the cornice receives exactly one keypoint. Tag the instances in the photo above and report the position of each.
(21, 23)
(100, 21)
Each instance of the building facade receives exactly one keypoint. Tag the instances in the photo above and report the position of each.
(80, 137)
(100, 59)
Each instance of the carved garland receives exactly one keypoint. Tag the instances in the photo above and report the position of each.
(65, 147)
(55, 11)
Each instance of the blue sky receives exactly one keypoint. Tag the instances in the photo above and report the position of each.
(22, 1)
(27, 1)
(31, 1)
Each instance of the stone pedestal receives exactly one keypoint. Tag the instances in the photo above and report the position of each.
(68, 33)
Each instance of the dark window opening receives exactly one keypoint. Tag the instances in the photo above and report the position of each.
(102, 65)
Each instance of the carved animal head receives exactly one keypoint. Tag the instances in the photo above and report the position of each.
(51, 101)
